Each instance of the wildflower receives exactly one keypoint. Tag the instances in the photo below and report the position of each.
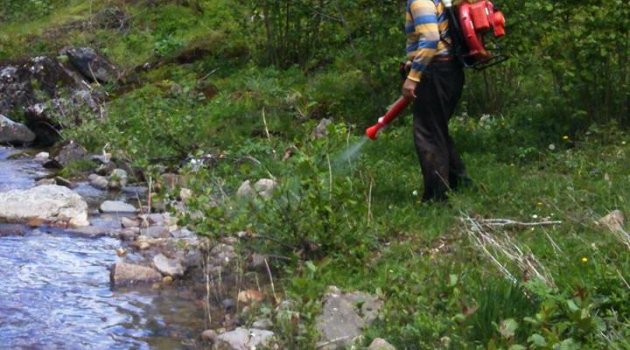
(414, 193)
(584, 259)
(565, 138)
(539, 204)
(552, 147)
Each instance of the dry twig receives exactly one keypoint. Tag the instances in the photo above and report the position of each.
(499, 244)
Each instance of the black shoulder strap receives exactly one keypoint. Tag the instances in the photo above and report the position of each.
(458, 44)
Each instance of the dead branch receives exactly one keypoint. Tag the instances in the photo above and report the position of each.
(497, 244)
(508, 222)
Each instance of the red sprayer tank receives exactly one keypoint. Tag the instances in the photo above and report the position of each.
(475, 20)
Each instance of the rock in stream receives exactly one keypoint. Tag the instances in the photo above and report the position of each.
(52, 203)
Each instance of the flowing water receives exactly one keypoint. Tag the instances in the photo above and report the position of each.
(55, 291)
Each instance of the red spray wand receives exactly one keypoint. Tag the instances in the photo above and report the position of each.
(392, 113)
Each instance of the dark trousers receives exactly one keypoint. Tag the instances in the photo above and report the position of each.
(437, 95)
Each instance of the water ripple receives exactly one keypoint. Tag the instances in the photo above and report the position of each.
(55, 294)
(55, 291)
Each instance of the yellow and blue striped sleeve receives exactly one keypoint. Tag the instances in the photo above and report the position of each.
(423, 35)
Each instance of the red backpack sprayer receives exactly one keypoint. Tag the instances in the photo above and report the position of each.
(472, 23)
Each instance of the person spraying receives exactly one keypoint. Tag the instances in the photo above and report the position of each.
(440, 42)
(434, 84)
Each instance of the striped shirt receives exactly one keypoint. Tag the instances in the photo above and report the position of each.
(426, 26)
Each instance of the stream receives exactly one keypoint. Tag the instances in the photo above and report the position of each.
(55, 290)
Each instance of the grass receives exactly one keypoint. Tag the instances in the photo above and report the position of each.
(442, 287)
(359, 224)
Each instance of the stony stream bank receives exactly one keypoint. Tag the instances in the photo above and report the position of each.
(92, 263)
(88, 266)
(84, 268)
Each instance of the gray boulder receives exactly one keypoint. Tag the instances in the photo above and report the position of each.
(71, 152)
(48, 203)
(156, 232)
(27, 82)
(123, 274)
(90, 64)
(263, 188)
(98, 181)
(42, 157)
(344, 317)
(117, 207)
(129, 222)
(243, 339)
(48, 117)
(12, 132)
(245, 190)
(168, 267)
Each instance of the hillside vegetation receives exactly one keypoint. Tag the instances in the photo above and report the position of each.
(226, 91)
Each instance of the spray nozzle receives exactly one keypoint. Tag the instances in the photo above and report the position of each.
(372, 131)
(393, 112)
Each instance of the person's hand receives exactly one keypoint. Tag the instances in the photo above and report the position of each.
(409, 88)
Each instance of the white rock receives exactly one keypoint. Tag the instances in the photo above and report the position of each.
(117, 207)
(614, 221)
(265, 187)
(98, 181)
(245, 190)
(128, 222)
(42, 157)
(344, 316)
(47, 202)
(168, 267)
(243, 339)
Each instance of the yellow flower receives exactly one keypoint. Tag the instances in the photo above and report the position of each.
(565, 137)
(584, 259)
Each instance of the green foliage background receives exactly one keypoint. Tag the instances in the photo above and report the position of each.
(243, 84)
